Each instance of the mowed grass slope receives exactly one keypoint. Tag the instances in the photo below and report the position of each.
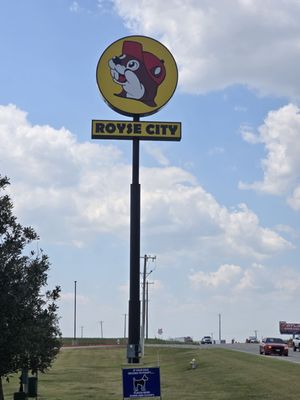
(79, 374)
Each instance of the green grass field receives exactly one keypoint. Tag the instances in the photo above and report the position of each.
(96, 374)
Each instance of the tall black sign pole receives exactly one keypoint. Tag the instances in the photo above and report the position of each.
(156, 89)
(133, 348)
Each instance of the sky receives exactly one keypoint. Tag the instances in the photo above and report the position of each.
(219, 209)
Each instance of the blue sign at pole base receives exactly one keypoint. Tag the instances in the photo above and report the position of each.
(141, 382)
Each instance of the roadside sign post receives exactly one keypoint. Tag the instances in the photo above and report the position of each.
(136, 76)
(134, 312)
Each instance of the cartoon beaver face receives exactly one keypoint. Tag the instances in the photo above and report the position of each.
(138, 72)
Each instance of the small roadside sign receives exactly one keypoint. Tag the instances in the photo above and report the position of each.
(141, 383)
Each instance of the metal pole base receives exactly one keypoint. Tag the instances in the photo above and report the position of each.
(133, 353)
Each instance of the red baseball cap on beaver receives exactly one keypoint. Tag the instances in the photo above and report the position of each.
(154, 66)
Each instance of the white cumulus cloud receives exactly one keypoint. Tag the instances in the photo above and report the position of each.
(294, 199)
(221, 43)
(70, 190)
(280, 135)
(237, 282)
(223, 276)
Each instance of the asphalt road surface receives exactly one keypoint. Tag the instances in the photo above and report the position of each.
(253, 348)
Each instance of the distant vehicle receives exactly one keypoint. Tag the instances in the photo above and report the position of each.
(252, 339)
(183, 339)
(206, 340)
(296, 343)
(272, 345)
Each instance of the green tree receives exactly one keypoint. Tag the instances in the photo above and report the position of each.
(29, 333)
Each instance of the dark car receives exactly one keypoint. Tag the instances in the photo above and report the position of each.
(206, 340)
(272, 345)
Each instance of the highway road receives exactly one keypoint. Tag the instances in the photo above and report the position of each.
(253, 348)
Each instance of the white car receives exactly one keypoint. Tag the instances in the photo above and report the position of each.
(206, 340)
(252, 339)
(296, 343)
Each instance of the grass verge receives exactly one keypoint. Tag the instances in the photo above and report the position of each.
(95, 373)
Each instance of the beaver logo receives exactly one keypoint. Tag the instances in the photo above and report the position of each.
(138, 72)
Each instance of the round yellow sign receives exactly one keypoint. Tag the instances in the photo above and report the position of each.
(137, 75)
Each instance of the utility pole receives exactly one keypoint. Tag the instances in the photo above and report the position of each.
(101, 328)
(220, 336)
(75, 294)
(125, 315)
(146, 258)
(81, 331)
(147, 307)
